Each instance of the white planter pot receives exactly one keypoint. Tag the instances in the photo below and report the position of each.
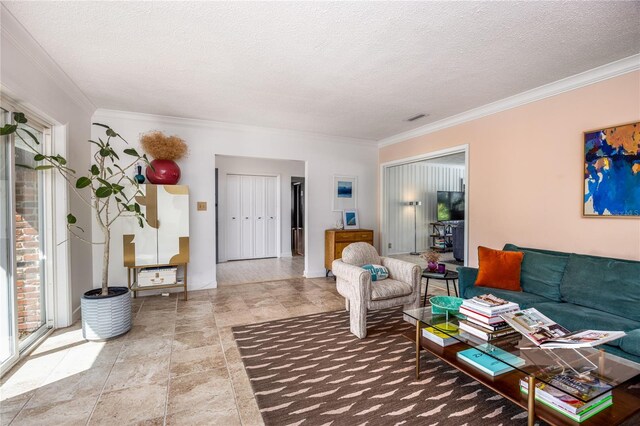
(104, 317)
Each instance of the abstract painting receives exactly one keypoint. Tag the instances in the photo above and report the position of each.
(345, 193)
(345, 189)
(612, 172)
(350, 219)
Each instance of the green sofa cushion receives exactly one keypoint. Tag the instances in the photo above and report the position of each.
(631, 342)
(525, 300)
(575, 317)
(619, 352)
(604, 284)
(541, 272)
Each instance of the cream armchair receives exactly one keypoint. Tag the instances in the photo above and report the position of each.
(354, 284)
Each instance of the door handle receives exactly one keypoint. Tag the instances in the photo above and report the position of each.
(233, 218)
(259, 217)
(246, 218)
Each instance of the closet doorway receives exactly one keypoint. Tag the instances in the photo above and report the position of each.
(254, 221)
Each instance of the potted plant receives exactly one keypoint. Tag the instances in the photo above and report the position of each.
(106, 311)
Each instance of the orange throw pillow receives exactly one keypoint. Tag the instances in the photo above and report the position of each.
(499, 269)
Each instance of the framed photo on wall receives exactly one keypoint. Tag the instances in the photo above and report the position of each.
(350, 219)
(612, 172)
(345, 193)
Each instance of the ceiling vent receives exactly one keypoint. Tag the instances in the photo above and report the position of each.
(417, 117)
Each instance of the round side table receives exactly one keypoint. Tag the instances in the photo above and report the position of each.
(448, 276)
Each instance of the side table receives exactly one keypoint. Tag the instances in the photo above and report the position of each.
(448, 276)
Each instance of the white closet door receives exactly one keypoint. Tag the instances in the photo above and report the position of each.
(246, 214)
(233, 217)
(271, 204)
(259, 217)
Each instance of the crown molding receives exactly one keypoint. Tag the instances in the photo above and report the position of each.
(604, 72)
(222, 125)
(15, 33)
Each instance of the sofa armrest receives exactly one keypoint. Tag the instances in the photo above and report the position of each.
(466, 278)
(403, 271)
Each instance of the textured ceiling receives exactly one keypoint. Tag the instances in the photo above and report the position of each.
(347, 69)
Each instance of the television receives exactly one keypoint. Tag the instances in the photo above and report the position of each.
(450, 206)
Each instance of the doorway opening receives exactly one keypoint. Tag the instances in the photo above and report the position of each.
(425, 208)
(259, 219)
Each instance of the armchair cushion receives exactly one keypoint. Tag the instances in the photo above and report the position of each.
(390, 289)
(359, 254)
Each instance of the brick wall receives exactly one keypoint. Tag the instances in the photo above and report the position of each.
(28, 274)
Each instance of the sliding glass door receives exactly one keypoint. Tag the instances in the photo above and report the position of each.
(8, 342)
(22, 252)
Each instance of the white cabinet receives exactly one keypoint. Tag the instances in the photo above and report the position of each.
(164, 239)
(252, 220)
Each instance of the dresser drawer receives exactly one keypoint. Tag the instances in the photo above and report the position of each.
(354, 236)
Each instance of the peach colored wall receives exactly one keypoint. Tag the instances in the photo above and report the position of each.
(526, 171)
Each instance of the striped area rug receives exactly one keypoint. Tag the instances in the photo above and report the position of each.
(311, 370)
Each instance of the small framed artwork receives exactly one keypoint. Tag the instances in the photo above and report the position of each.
(612, 172)
(350, 219)
(345, 193)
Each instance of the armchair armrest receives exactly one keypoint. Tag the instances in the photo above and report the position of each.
(357, 279)
(466, 278)
(403, 271)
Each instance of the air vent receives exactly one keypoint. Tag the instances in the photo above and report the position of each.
(417, 117)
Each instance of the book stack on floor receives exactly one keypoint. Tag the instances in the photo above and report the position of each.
(483, 317)
(567, 389)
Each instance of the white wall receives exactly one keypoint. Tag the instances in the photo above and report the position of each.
(30, 77)
(324, 157)
(284, 169)
(418, 182)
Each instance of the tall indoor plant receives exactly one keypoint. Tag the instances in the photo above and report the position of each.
(108, 189)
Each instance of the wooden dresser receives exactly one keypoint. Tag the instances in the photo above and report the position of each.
(335, 240)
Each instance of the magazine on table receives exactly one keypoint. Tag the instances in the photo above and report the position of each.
(581, 383)
(489, 304)
(548, 334)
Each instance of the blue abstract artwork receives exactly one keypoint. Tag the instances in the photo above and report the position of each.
(350, 219)
(345, 189)
(612, 171)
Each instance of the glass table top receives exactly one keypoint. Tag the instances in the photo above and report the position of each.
(599, 370)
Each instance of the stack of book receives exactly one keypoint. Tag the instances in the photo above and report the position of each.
(483, 317)
(439, 337)
(567, 390)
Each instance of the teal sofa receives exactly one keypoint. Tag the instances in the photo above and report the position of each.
(576, 291)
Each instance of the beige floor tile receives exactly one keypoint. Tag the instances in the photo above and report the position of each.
(269, 313)
(199, 390)
(201, 323)
(158, 329)
(197, 360)
(10, 407)
(233, 318)
(62, 386)
(130, 405)
(204, 416)
(249, 412)
(148, 347)
(149, 370)
(195, 339)
(73, 412)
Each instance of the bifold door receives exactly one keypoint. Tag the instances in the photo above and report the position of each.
(252, 217)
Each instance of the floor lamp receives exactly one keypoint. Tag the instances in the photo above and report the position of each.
(415, 204)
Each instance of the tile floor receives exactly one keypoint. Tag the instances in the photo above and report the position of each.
(178, 365)
(259, 270)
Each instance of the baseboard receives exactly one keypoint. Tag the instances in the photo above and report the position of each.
(75, 315)
(315, 274)
(286, 254)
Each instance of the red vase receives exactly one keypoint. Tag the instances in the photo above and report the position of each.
(164, 172)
